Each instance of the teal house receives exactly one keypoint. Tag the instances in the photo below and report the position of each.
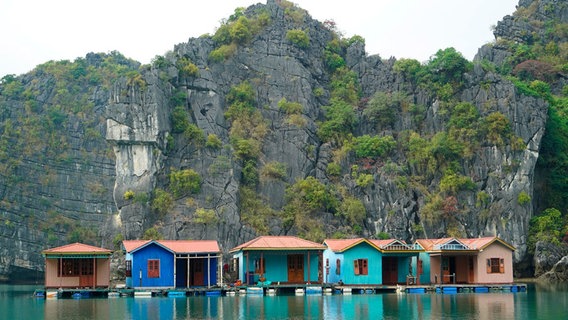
(277, 259)
(369, 262)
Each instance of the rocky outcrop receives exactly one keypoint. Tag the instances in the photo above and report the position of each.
(558, 273)
(107, 180)
(546, 255)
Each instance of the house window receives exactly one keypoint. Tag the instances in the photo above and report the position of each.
(128, 264)
(153, 268)
(69, 267)
(259, 266)
(496, 265)
(234, 265)
(337, 266)
(360, 266)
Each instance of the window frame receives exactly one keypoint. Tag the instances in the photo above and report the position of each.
(153, 268)
(361, 267)
(128, 268)
(495, 265)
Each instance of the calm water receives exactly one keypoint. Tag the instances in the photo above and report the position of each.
(16, 302)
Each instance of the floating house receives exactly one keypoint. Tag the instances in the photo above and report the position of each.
(172, 263)
(77, 265)
(472, 261)
(368, 262)
(278, 259)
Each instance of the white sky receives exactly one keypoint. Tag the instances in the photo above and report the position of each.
(36, 31)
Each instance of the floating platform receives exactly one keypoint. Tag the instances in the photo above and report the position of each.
(284, 289)
(314, 290)
(176, 294)
(255, 290)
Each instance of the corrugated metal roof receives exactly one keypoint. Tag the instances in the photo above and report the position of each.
(77, 248)
(339, 245)
(176, 246)
(191, 246)
(471, 243)
(130, 245)
(482, 243)
(279, 243)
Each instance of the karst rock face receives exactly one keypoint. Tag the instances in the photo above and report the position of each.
(138, 148)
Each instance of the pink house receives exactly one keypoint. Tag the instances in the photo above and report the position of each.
(475, 261)
(77, 265)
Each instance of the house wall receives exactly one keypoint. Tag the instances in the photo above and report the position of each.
(103, 272)
(435, 269)
(140, 267)
(213, 265)
(52, 279)
(374, 263)
(494, 250)
(333, 276)
(275, 265)
(128, 281)
(425, 276)
(403, 268)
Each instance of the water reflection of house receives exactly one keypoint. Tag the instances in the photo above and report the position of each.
(77, 265)
(368, 262)
(495, 306)
(171, 263)
(278, 259)
(475, 260)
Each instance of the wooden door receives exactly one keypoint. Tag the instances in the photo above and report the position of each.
(296, 268)
(471, 274)
(445, 270)
(390, 270)
(197, 272)
(86, 278)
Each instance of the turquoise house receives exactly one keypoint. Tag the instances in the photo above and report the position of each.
(277, 259)
(368, 262)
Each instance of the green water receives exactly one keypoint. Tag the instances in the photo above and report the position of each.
(539, 302)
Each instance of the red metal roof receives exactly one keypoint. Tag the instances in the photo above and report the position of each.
(177, 246)
(482, 243)
(471, 243)
(130, 245)
(77, 248)
(338, 245)
(279, 243)
(191, 246)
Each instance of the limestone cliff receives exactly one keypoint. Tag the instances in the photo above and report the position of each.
(116, 171)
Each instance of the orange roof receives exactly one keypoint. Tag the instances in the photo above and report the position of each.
(482, 243)
(428, 244)
(191, 246)
(130, 245)
(339, 245)
(76, 248)
(279, 243)
(177, 246)
(386, 242)
(471, 243)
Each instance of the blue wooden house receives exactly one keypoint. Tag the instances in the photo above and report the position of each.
(278, 259)
(368, 262)
(171, 263)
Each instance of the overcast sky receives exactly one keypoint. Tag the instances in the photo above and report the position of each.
(36, 31)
